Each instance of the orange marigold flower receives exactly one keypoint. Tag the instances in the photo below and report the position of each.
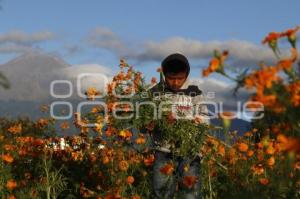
(9, 147)
(272, 37)
(149, 161)
(264, 181)
(64, 125)
(258, 169)
(140, 140)
(167, 169)
(92, 93)
(42, 122)
(297, 165)
(243, 147)
(15, 129)
(291, 35)
(123, 165)
(285, 64)
(125, 134)
(287, 143)
(270, 150)
(105, 160)
(11, 184)
(7, 158)
(294, 90)
(110, 87)
(214, 65)
(250, 153)
(130, 179)
(77, 155)
(136, 196)
(271, 161)
(11, 197)
(221, 150)
(290, 32)
(248, 134)
(189, 181)
(263, 78)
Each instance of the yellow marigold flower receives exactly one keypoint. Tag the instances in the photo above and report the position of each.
(123, 165)
(186, 168)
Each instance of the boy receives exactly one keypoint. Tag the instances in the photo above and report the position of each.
(175, 86)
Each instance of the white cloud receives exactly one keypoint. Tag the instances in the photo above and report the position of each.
(105, 38)
(25, 38)
(242, 53)
(21, 42)
(223, 92)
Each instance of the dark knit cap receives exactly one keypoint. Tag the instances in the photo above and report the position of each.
(175, 63)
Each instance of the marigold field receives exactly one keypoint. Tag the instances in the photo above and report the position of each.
(113, 158)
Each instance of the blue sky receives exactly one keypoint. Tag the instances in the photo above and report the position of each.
(136, 22)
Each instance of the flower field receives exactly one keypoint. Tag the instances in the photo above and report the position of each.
(113, 158)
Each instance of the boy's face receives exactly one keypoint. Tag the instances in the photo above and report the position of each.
(175, 81)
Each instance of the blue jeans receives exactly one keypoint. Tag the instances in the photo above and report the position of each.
(164, 186)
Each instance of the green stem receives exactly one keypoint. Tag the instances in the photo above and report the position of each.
(226, 75)
(209, 184)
